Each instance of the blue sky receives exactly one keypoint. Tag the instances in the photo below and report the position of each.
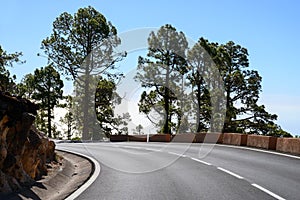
(269, 29)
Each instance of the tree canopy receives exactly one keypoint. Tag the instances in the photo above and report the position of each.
(106, 99)
(45, 86)
(7, 82)
(82, 46)
(169, 60)
(161, 71)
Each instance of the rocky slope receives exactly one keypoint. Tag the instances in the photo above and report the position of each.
(24, 151)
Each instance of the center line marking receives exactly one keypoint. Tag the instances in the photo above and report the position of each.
(268, 192)
(174, 153)
(148, 149)
(231, 173)
(200, 161)
(157, 150)
(177, 154)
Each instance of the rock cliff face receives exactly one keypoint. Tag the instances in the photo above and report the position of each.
(24, 151)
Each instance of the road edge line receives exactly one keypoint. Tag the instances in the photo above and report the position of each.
(95, 173)
(259, 150)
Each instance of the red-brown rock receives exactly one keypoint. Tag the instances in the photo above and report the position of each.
(24, 151)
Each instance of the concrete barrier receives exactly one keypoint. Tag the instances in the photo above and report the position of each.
(235, 139)
(288, 145)
(199, 137)
(137, 138)
(184, 137)
(209, 138)
(118, 138)
(214, 138)
(160, 138)
(259, 141)
(141, 138)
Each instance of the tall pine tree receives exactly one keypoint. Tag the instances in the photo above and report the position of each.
(161, 72)
(82, 46)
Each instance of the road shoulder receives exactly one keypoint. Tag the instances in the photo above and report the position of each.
(63, 179)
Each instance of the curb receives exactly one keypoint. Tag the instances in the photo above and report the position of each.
(95, 173)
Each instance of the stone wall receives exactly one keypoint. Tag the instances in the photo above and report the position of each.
(24, 151)
(288, 145)
(235, 139)
(265, 142)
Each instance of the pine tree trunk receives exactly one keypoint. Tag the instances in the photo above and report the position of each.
(166, 129)
(49, 119)
(86, 99)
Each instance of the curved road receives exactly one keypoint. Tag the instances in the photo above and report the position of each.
(183, 171)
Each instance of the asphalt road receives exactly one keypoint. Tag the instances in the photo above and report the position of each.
(184, 171)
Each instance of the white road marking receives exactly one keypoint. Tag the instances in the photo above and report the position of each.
(157, 150)
(173, 153)
(231, 173)
(131, 147)
(200, 161)
(89, 182)
(148, 149)
(268, 191)
(135, 147)
(258, 150)
(177, 154)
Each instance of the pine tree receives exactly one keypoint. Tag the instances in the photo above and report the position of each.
(81, 46)
(161, 71)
